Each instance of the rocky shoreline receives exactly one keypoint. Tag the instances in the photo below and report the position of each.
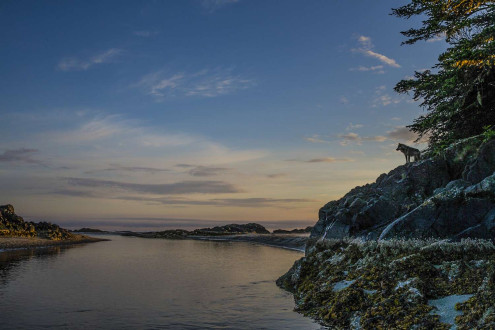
(251, 233)
(415, 249)
(396, 284)
(15, 233)
(286, 241)
(11, 243)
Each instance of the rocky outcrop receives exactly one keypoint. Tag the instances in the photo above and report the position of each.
(167, 234)
(450, 195)
(294, 231)
(396, 284)
(248, 228)
(232, 229)
(12, 225)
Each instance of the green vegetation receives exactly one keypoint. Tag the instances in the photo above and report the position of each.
(459, 93)
(351, 283)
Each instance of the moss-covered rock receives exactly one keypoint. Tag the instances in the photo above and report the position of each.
(352, 283)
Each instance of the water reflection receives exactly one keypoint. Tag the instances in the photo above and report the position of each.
(11, 259)
(131, 282)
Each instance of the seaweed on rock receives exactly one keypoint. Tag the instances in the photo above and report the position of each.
(389, 283)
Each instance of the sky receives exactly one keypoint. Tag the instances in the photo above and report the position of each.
(147, 115)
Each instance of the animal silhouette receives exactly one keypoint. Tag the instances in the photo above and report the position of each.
(408, 152)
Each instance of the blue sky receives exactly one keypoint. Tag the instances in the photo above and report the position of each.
(151, 114)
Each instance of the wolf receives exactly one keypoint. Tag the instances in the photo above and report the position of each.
(408, 152)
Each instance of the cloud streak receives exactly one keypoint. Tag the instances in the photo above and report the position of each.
(316, 139)
(376, 69)
(203, 171)
(366, 48)
(22, 155)
(329, 160)
(178, 188)
(76, 64)
(204, 83)
(119, 168)
(382, 98)
(351, 137)
(221, 202)
(402, 133)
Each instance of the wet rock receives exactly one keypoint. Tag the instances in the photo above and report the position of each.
(395, 284)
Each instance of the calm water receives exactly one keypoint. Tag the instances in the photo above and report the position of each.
(131, 283)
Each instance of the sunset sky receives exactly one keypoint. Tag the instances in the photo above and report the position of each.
(156, 114)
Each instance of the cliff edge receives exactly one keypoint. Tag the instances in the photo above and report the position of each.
(449, 195)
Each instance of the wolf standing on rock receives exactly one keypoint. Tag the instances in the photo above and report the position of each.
(408, 152)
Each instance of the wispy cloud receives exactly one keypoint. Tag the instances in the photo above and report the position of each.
(351, 137)
(382, 98)
(329, 160)
(375, 69)
(385, 100)
(322, 160)
(352, 126)
(114, 135)
(120, 168)
(404, 134)
(183, 187)
(204, 83)
(22, 155)
(382, 58)
(214, 5)
(222, 202)
(276, 175)
(316, 139)
(365, 48)
(345, 139)
(112, 127)
(399, 133)
(77, 64)
(207, 171)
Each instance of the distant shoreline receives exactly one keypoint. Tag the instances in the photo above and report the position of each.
(285, 241)
(14, 243)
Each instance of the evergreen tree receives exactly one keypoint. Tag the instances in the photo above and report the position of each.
(459, 92)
